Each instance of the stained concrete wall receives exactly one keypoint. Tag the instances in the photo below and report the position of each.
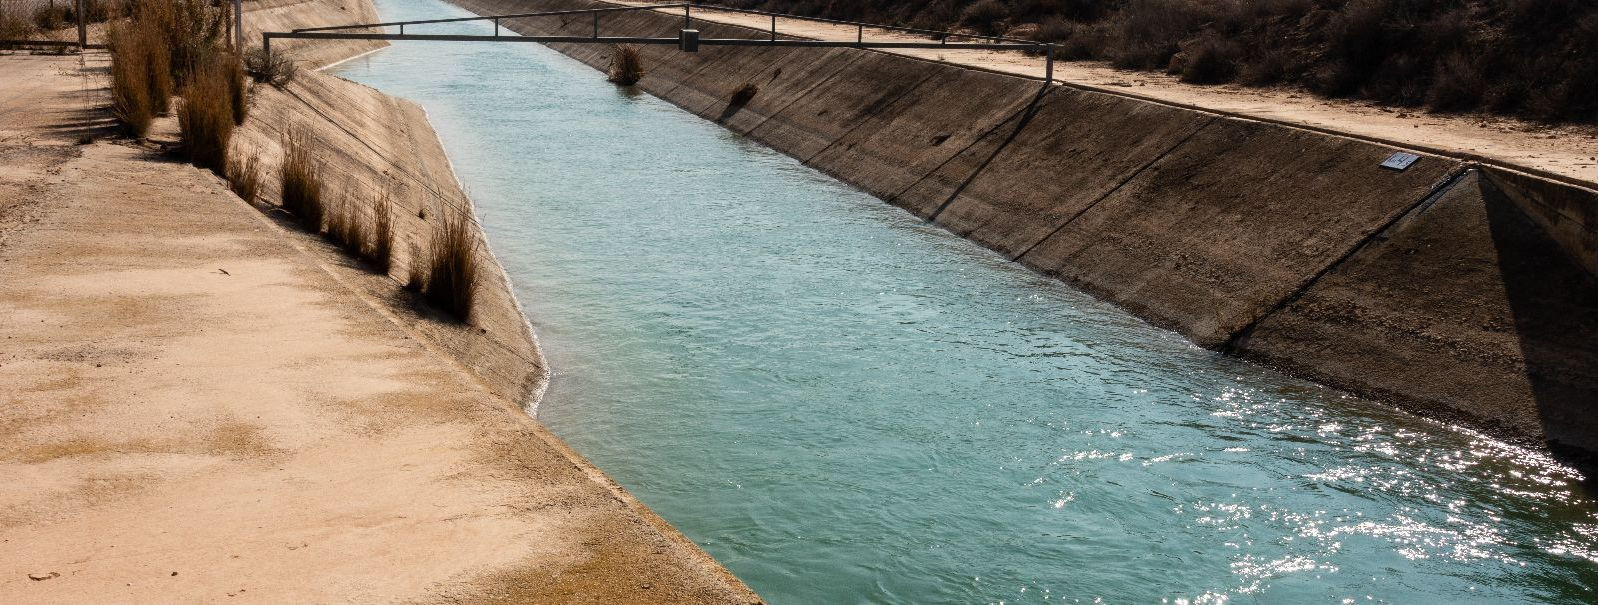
(1229, 231)
(1567, 211)
(1466, 308)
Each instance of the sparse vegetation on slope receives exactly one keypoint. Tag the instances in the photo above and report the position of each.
(379, 249)
(275, 69)
(244, 176)
(302, 180)
(450, 282)
(1532, 58)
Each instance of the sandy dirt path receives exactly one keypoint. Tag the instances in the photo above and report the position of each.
(195, 406)
(1570, 152)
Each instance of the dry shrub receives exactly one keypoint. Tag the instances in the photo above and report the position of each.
(626, 65)
(276, 69)
(193, 29)
(985, 15)
(206, 117)
(302, 180)
(63, 13)
(379, 249)
(14, 24)
(132, 79)
(1145, 34)
(451, 282)
(345, 227)
(743, 95)
(244, 176)
(1458, 85)
(232, 66)
(141, 42)
(1209, 60)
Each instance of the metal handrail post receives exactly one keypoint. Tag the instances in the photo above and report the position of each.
(773, 27)
(1048, 69)
(687, 16)
(596, 25)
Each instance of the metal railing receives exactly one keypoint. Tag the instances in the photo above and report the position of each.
(685, 41)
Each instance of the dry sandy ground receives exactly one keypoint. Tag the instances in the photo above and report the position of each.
(1570, 151)
(196, 407)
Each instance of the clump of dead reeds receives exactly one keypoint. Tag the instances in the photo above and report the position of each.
(133, 78)
(192, 31)
(302, 180)
(345, 227)
(238, 84)
(141, 74)
(451, 270)
(379, 248)
(743, 95)
(244, 176)
(206, 117)
(626, 65)
(276, 69)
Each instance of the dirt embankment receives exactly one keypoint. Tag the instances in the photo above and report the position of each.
(1219, 227)
(203, 402)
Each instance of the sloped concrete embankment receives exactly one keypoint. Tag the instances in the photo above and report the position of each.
(371, 145)
(1227, 230)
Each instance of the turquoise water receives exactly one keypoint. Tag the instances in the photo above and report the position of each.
(843, 404)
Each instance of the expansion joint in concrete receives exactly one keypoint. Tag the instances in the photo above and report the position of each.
(805, 93)
(1025, 113)
(1235, 343)
(867, 118)
(1117, 187)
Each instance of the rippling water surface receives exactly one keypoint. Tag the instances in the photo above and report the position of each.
(843, 404)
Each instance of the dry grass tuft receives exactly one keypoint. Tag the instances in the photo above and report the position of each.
(744, 95)
(132, 78)
(302, 180)
(451, 279)
(206, 117)
(238, 85)
(277, 70)
(192, 29)
(379, 248)
(244, 176)
(626, 65)
(345, 227)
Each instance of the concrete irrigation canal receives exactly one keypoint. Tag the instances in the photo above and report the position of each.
(842, 403)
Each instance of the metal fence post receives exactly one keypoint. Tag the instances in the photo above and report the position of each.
(687, 16)
(1048, 68)
(266, 47)
(83, 28)
(238, 25)
(860, 35)
(596, 25)
(773, 28)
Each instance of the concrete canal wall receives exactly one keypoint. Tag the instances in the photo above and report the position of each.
(1459, 294)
